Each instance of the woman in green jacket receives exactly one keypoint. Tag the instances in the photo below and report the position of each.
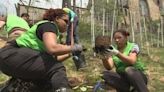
(37, 54)
(129, 69)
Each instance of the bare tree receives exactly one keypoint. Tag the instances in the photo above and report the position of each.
(28, 6)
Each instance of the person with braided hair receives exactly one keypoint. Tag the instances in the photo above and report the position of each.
(37, 55)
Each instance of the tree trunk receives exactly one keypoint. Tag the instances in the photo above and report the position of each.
(74, 5)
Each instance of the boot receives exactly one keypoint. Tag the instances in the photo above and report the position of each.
(79, 60)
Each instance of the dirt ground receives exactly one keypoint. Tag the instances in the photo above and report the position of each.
(155, 71)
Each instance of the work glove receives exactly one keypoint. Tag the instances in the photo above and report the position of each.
(101, 52)
(112, 50)
(77, 47)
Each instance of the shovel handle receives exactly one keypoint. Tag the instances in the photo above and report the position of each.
(72, 30)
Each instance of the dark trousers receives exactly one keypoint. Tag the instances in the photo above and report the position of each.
(123, 81)
(28, 64)
(80, 60)
(75, 32)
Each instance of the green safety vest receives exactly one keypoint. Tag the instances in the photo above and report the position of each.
(120, 65)
(30, 39)
(16, 22)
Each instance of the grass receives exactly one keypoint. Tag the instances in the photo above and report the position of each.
(3, 79)
(154, 63)
(92, 74)
(88, 77)
(155, 70)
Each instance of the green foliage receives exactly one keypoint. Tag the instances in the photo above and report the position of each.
(84, 31)
(3, 79)
(99, 5)
(162, 12)
(92, 74)
(155, 69)
(153, 25)
(153, 62)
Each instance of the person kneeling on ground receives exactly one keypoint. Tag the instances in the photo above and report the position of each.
(37, 55)
(129, 69)
(14, 25)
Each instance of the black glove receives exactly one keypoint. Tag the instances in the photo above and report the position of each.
(103, 52)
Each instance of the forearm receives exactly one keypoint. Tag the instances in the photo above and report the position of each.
(127, 59)
(54, 48)
(60, 49)
(108, 63)
(63, 57)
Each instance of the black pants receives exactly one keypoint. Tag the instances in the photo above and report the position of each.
(123, 81)
(75, 32)
(28, 64)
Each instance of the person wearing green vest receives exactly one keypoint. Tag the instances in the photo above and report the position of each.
(13, 24)
(38, 55)
(26, 17)
(73, 22)
(129, 69)
(78, 57)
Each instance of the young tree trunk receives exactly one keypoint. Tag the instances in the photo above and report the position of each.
(93, 27)
(162, 31)
(146, 40)
(158, 37)
(74, 5)
(141, 35)
(103, 21)
(131, 25)
(113, 22)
